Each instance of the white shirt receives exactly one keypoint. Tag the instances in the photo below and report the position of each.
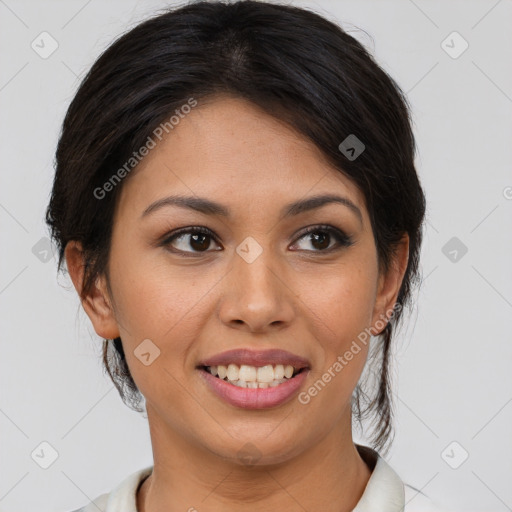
(384, 492)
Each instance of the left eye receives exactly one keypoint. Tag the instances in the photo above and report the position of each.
(321, 236)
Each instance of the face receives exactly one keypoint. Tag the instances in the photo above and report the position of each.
(253, 273)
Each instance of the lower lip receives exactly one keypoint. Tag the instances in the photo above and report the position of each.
(254, 398)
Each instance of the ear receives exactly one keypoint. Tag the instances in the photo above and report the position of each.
(97, 303)
(389, 286)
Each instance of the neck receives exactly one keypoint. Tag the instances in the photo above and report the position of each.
(330, 476)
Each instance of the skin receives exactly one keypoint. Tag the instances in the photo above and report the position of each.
(293, 296)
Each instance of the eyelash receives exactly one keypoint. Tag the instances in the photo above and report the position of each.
(343, 240)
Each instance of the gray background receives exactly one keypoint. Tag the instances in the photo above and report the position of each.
(452, 372)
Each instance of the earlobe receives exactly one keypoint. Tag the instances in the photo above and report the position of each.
(96, 302)
(389, 286)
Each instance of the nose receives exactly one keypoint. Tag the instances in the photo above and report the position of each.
(256, 297)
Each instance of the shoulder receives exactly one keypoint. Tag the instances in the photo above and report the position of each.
(122, 498)
(416, 501)
(98, 505)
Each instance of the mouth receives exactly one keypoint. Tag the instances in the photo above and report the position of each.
(252, 377)
(253, 387)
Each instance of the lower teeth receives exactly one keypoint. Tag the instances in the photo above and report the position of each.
(254, 385)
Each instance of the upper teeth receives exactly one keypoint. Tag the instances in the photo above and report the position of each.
(248, 373)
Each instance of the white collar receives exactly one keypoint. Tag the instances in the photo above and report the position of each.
(385, 489)
(383, 492)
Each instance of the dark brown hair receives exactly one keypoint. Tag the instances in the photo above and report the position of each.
(293, 63)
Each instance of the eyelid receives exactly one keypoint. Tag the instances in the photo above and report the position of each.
(190, 229)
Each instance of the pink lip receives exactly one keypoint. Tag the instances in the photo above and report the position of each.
(249, 398)
(256, 358)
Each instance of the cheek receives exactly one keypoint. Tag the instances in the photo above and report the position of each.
(344, 299)
(341, 309)
(163, 303)
(153, 297)
(340, 306)
(155, 304)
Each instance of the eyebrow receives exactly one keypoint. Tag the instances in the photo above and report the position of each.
(208, 207)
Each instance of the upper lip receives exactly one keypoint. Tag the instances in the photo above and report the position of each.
(252, 357)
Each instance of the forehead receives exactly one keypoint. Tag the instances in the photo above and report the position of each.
(228, 148)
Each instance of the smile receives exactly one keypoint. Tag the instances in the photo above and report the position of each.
(251, 387)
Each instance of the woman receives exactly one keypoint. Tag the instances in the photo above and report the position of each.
(237, 204)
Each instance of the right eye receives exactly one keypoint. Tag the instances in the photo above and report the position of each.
(196, 238)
